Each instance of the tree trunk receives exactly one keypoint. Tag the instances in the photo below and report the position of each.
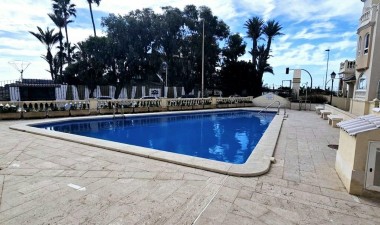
(268, 47)
(67, 35)
(254, 55)
(49, 57)
(92, 19)
(60, 54)
(67, 44)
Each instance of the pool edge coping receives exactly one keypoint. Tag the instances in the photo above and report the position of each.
(258, 162)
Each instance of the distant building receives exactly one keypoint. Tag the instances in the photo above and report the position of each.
(367, 74)
(28, 90)
(347, 79)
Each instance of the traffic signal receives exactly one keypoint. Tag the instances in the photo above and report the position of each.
(287, 70)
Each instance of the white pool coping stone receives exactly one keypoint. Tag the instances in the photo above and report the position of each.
(258, 162)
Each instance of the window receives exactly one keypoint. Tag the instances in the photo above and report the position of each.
(362, 84)
(359, 45)
(366, 43)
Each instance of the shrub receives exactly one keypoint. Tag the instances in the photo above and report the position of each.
(314, 98)
(8, 108)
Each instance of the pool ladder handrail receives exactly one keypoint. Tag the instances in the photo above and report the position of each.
(278, 108)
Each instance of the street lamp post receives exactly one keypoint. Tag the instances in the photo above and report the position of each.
(327, 65)
(203, 57)
(333, 74)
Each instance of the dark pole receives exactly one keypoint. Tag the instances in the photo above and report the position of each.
(332, 86)
(327, 66)
(333, 74)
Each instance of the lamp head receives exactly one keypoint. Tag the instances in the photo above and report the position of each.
(333, 75)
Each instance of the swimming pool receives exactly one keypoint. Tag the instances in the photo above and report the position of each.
(257, 163)
(223, 136)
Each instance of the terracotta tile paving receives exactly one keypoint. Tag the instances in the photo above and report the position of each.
(50, 181)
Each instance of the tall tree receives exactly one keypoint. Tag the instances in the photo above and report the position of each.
(90, 2)
(215, 30)
(254, 28)
(235, 48)
(260, 52)
(60, 23)
(64, 9)
(49, 39)
(170, 38)
(271, 29)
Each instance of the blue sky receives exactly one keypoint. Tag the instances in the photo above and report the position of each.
(309, 26)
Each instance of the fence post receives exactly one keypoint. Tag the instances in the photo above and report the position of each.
(164, 103)
(213, 102)
(93, 106)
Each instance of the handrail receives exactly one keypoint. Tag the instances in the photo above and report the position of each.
(278, 108)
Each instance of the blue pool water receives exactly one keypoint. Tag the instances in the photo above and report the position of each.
(223, 136)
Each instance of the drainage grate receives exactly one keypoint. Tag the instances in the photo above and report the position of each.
(333, 146)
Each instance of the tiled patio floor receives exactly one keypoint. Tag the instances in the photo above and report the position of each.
(49, 181)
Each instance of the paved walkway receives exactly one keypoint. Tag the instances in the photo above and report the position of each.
(49, 181)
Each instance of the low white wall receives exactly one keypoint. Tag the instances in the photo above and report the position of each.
(265, 100)
(334, 110)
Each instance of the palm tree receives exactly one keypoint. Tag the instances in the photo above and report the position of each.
(60, 23)
(260, 53)
(64, 9)
(262, 67)
(255, 30)
(49, 39)
(92, 16)
(271, 29)
(262, 62)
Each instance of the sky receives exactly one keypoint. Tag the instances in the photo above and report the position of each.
(309, 27)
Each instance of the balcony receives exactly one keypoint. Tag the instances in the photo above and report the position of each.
(368, 16)
(347, 68)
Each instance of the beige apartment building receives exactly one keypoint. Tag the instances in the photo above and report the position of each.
(358, 156)
(364, 88)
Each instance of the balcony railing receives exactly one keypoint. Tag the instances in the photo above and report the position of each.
(43, 109)
(367, 16)
(347, 67)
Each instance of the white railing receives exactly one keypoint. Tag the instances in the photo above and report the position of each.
(347, 67)
(233, 100)
(278, 107)
(188, 101)
(366, 16)
(39, 106)
(114, 106)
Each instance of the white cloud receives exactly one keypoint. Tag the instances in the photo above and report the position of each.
(312, 10)
(310, 35)
(323, 26)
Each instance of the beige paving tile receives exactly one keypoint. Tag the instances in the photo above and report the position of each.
(302, 187)
(169, 176)
(215, 213)
(232, 219)
(277, 218)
